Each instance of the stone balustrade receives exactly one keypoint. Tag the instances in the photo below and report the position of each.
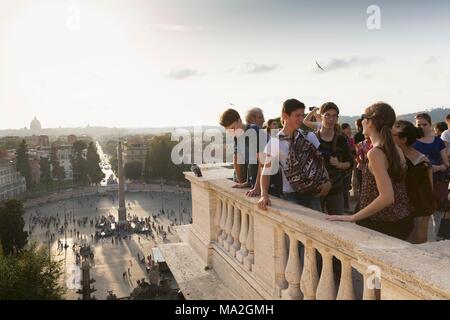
(292, 252)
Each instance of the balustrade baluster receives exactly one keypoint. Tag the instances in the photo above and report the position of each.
(310, 276)
(242, 253)
(281, 257)
(217, 218)
(326, 289)
(228, 240)
(223, 219)
(236, 245)
(346, 291)
(293, 271)
(250, 259)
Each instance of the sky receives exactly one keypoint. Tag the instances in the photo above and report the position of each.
(155, 63)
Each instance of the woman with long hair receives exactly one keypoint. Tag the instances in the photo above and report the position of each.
(272, 127)
(384, 205)
(419, 178)
(435, 150)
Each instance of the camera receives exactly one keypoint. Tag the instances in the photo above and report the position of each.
(196, 170)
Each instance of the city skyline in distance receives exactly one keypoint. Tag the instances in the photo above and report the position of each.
(150, 64)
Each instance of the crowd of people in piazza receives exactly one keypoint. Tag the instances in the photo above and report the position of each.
(398, 171)
(82, 229)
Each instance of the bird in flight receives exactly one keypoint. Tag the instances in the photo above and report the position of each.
(320, 67)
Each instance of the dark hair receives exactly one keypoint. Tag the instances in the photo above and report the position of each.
(359, 124)
(269, 122)
(345, 126)
(291, 105)
(447, 117)
(408, 131)
(441, 126)
(382, 116)
(329, 106)
(424, 116)
(228, 117)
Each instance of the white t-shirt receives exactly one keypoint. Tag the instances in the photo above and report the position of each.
(278, 150)
(445, 136)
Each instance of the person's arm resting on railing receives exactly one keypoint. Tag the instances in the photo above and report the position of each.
(256, 191)
(264, 201)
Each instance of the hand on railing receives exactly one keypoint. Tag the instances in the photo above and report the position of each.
(241, 185)
(253, 193)
(263, 202)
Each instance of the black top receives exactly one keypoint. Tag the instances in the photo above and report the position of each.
(359, 137)
(343, 154)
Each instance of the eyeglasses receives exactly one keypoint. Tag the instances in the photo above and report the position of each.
(330, 116)
(363, 116)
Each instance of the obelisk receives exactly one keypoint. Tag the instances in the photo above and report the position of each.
(122, 209)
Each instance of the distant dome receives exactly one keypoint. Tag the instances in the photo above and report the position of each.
(35, 124)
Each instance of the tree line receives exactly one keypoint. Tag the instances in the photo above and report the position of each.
(86, 170)
(158, 164)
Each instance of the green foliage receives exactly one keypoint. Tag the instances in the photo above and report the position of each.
(12, 236)
(30, 275)
(79, 163)
(158, 162)
(93, 164)
(23, 166)
(133, 170)
(46, 176)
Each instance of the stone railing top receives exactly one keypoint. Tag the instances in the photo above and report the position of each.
(423, 270)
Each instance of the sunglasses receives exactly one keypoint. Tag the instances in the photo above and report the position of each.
(365, 117)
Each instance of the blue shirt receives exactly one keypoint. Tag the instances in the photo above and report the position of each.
(431, 150)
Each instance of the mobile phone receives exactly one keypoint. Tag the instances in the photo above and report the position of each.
(312, 108)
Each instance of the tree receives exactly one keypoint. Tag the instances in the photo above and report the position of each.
(23, 166)
(93, 164)
(158, 162)
(46, 176)
(147, 167)
(58, 172)
(12, 236)
(30, 275)
(79, 162)
(133, 170)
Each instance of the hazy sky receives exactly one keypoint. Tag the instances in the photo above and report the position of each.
(143, 63)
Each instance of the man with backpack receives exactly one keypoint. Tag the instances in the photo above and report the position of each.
(293, 167)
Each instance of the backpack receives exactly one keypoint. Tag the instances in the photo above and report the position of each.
(305, 168)
(419, 189)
